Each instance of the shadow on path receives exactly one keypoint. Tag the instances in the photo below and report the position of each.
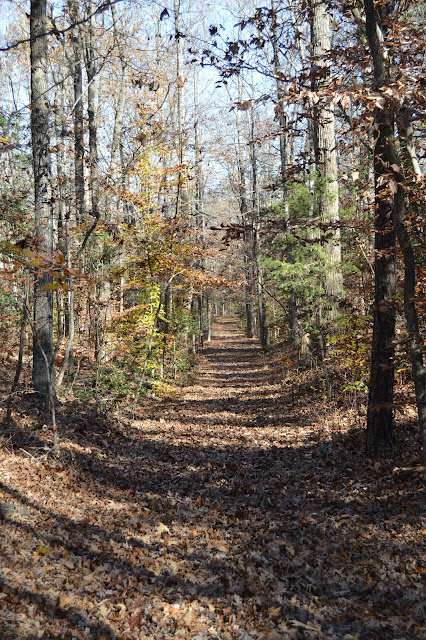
(240, 509)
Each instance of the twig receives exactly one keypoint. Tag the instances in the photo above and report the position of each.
(27, 453)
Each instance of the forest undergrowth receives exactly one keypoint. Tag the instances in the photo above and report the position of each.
(244, 509)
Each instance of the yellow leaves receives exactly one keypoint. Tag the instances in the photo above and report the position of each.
(6, 144)
(43, 551)
(54, 286)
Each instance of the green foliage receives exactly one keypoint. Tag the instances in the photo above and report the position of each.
(297, 263)
(84, 395)
(117, 382)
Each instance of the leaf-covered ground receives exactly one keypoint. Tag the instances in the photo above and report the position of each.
(244, 510)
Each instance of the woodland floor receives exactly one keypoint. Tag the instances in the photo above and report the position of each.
(243, 510)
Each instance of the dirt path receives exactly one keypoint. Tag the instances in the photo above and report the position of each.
(243, 511)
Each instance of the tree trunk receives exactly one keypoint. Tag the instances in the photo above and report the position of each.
(416, 341)
(284, 162)
(389, 169)
(90, 59)
(325, 143)
(248, 236)
(380, 399)
(181, 196)
(43, 228)
(78, 112)
(113, 207)
(257, 269)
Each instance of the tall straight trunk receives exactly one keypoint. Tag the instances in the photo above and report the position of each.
(257, 269)
(180, 85)
(180, 94)
(90, 59)
(199, 211)
(380, 410)
(284, 162)
(42, 375)
(282, 115)
(380, 399)
(116, 165)
(242, 201)
(78, 112)
(324, 136)
(410, 311)
(68, 357)
(389, 180)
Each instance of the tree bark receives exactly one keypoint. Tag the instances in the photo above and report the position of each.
(324, 137)
(113, 207)
(257, 269)
(90, 59)
(43, 228)
(78, 113)
(180, 94)
(380, 400)
(248, 236)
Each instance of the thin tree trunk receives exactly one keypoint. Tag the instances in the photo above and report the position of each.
(117, 136)
(43, 228)
(416, 341)
(199, 211)
(91, 111)
(78, 113)
(180, 93)
(68, 357)
(257, 269)
(248, 237)
(406, 134)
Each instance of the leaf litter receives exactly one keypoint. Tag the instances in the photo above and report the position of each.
(244, 510)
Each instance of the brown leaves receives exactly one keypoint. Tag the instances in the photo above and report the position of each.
(245, 511)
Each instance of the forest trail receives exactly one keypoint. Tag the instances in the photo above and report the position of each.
(232, 386)
(242, 511)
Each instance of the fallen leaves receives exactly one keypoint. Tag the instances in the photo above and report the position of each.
(236, 513)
